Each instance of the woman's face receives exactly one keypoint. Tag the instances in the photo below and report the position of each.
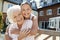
(26, 10)
(18, 18)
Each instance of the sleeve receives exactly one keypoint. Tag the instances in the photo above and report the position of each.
(7, 37)
(7, 30)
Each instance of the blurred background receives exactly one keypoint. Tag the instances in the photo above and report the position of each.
(47, 11)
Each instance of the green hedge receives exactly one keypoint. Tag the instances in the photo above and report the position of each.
(1, 22)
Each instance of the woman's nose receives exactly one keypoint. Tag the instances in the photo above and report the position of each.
(17, 17)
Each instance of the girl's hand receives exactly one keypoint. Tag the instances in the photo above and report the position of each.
(23, 34)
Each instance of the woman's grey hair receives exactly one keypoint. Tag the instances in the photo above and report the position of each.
(10, 12)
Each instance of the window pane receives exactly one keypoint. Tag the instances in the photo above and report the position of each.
(58, 0)
(41, 13)
(49, 2)
(58, 11)
(40, 24)
(49, 11)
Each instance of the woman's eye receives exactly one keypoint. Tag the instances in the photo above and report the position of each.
(23, 10)
(19, 14)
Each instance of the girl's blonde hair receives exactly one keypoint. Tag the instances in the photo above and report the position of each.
(26, 3)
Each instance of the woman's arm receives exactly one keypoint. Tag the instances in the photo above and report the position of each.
(7, 35)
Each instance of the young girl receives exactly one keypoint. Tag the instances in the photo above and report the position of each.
(27, 14)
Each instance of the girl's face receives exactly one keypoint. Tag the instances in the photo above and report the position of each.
(18, 18)
(26, 10)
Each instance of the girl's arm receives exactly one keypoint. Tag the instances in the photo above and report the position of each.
(34, 27)
(23, 34)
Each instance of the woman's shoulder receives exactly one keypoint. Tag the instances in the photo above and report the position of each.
(13, 25)
(8, 26)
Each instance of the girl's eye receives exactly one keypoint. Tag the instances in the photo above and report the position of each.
(23, 9)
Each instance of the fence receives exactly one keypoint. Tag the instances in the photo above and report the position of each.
(50, 33)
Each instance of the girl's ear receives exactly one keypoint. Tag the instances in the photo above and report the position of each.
(31, 10)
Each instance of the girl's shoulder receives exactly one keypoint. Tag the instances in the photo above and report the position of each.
(33, 17)
(27, 25)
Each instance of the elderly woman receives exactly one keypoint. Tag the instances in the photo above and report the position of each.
(19, 29)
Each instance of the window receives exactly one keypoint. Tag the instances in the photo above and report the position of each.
(10, 5)
(42, 4)
(45, 3)
(41, 13)
(51, 24)
(49, 12)
(15, 1)
(54, 1)
(58, 11)
(41, 0)
(40, 24)
(58, 0)
(43, 24)
(49, 2)
(34, 6)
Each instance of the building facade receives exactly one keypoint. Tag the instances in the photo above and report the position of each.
(49, 9)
